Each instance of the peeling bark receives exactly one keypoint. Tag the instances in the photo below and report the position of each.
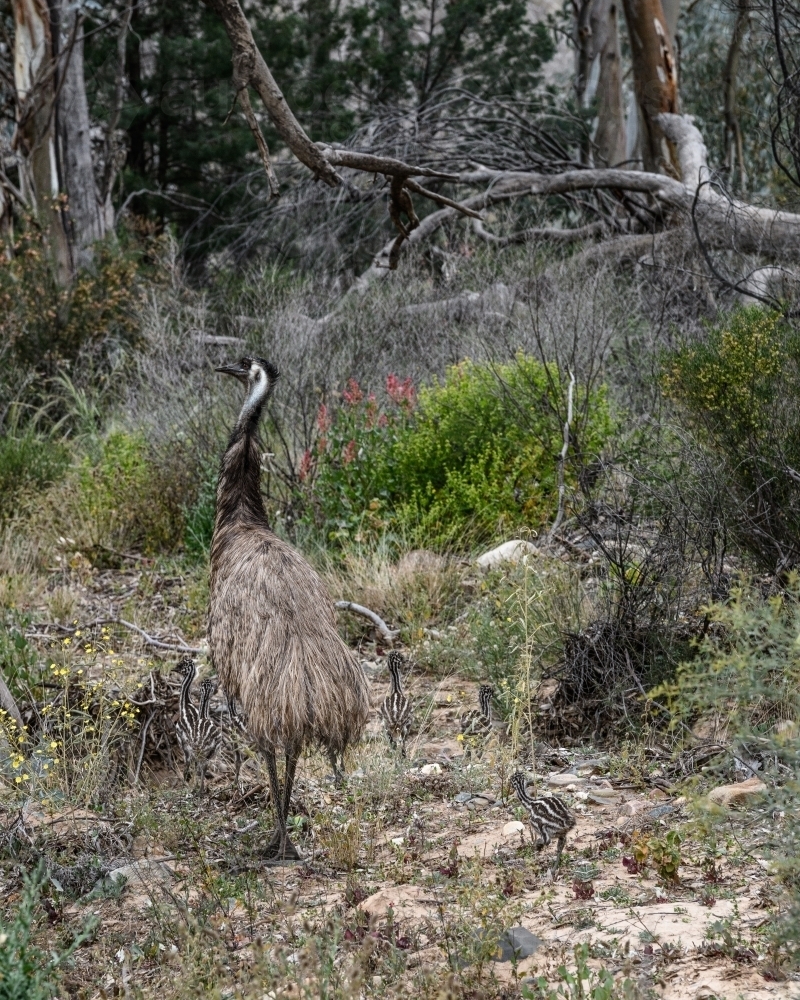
(35, 138)
(85, 216)
(655, 79)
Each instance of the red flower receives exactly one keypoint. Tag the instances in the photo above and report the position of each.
(352, 394)
(349, 453)
(399, 392)
(306, 465)
(323, 418)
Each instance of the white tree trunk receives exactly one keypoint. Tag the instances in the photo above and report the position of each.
(86, 219)
(34, 78)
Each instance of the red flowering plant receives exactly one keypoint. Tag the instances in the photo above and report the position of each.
(350, 470)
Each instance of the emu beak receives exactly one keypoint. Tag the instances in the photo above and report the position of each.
(238, 369)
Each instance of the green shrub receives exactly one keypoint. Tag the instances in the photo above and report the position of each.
(473, 456)
(27, 971)
(42, 322)
(199, 518)
(746, 677)
(117, 500)
(740, 393)
(29, 461)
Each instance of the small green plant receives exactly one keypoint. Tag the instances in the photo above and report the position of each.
(665, 856)
(29, 461)
(27, 971)
(582, 984)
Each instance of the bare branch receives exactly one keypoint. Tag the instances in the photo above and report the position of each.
(181, 647)
(358, 609)
(261, 142)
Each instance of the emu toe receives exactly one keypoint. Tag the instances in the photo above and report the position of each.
(281, 851)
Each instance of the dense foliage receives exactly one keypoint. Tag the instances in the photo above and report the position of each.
(473, 456)
(739, 389)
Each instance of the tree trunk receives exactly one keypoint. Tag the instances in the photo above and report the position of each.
(655, 80)
(606, 70)
(85, 219)
(734, 150)
(598, 77)
(34, 78)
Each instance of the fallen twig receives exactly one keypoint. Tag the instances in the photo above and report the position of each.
(358, 609)
(149, 640)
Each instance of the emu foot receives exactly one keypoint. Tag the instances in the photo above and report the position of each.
(281, 851)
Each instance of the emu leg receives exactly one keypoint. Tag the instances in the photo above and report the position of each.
(561, 842)
(279, 846)
(338, 777)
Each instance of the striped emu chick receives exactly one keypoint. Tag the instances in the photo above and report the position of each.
(478, 721)
(198, 733)
(188, 716)
(396, 710)
(549, 816)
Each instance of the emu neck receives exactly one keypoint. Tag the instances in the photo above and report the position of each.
(239, 484)
(395, 675)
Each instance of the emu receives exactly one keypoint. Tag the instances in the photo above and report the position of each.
(396, 711)
(271, 624)
(548, 815)
(198, 733)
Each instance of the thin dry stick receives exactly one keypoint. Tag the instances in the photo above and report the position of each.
(261, 142)
(358, 609)
(563, 459)
(149, 640)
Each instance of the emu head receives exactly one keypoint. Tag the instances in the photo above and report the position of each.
(259, 376)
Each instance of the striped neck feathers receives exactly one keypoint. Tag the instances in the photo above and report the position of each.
(188, 677)
(485, 701)
(394, 670)
(206, 691)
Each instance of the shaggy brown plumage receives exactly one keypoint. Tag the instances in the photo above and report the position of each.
(272, 629)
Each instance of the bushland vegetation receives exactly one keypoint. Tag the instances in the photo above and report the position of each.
(593, 372)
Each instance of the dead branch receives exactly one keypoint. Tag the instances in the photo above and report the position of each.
(358, 609)
(8, 704)
(261, 142)
(149, 640)
(548, 234)
(563, 457)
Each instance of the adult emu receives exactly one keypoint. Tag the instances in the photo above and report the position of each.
(271, 625)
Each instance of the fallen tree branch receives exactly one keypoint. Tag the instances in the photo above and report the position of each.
(358, 609)
(563, 236)
(149, 640)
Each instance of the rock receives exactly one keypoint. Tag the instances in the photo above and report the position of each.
(734, 795)
(462, 798)
(420, 561)
(562, 780)
(602, 796)
(478, 802)
(431, 769)
(596, 765)
(513, 828)
(142, 872)
(509, 552)
(515, 944)
(407, 902)
(633, 807)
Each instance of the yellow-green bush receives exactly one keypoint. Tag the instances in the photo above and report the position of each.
(739, 392)
(116, 501)
(470, 457)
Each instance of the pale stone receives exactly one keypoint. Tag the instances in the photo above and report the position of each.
(564, 780)
(431, 769)
(513, 828)
(731, 795)
(509, 552)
